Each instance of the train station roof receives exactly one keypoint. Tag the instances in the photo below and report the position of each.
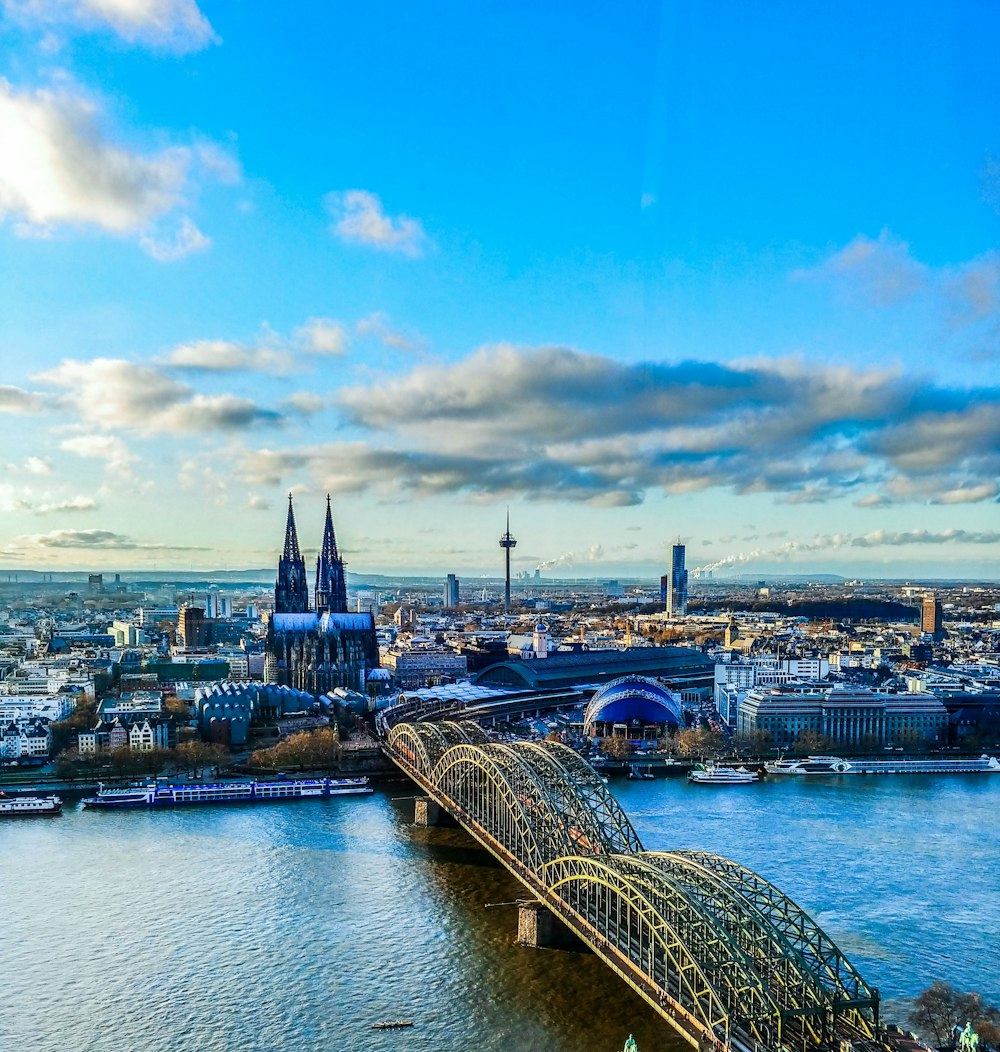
(680, 667)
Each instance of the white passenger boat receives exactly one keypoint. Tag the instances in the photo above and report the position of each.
(712, 774)
(165, 795)
(827, 765)
(29, 806)
(809, 765)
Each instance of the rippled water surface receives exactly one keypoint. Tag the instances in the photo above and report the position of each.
(291, 928)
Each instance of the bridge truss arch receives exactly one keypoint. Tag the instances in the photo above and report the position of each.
(717, 949)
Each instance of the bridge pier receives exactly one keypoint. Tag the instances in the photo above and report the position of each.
(539, 927)
(427, 812)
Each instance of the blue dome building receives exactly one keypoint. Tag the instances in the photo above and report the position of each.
(636, 702)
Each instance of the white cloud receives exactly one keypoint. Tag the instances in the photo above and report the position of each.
(37, 466)
(175, 243)
(62, 507)
(93, 540)
(57, 167)
(322, 336)
(306, 403)
(378, 326)
(174, 25)
(967, 494)
(221, 356)
(108, 448)
(16, 400)
(358, 217)
(111, 393)
(881, 270)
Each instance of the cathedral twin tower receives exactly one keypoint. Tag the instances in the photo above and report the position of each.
(291, 592)
(324, 648)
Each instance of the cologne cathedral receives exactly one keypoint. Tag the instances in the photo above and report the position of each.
(326, 647)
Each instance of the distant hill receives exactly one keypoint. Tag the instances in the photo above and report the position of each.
(784, 578)
(817, 609)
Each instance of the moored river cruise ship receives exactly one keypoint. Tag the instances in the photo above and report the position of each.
(29, 806)
(160, 794)
(820, 765)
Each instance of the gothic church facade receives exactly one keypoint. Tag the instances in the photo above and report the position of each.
(325, 647)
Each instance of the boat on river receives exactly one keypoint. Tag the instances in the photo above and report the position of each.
(29, 806)
(159, 794)
(830, 765)
(712, 774)
(808, 765)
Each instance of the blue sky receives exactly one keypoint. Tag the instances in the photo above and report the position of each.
(716, 271)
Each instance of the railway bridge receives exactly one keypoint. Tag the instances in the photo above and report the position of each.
(721, 954)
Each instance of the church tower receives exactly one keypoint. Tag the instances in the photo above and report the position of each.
(331, 581)
(291, 593)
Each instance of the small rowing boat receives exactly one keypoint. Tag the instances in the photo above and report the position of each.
(392, 1024)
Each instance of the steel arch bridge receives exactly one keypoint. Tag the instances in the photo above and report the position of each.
(723, 955)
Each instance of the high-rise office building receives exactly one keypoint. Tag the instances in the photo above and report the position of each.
(932, 617)
(451, 592)
(191, 628)
(677, 583)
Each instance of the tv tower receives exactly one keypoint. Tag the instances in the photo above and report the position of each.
(507, 542)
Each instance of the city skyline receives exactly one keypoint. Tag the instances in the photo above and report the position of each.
(733, 278)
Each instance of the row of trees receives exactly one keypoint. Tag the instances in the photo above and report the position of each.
(190, 756)
(704, 743)
(314, 749)
(941, 1008)
(696, 742)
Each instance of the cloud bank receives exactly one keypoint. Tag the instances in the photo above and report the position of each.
(553, 423)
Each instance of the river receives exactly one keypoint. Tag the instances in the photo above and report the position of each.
(293, 927)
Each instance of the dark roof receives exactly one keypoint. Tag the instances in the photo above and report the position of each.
(681, 666)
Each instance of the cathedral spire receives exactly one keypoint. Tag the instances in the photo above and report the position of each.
(331, 581)
(329, 549)
(291, 594)
(291, 535)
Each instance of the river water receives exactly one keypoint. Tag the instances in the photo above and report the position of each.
(293, 927)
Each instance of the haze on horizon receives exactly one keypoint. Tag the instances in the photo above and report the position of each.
(728, 275)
